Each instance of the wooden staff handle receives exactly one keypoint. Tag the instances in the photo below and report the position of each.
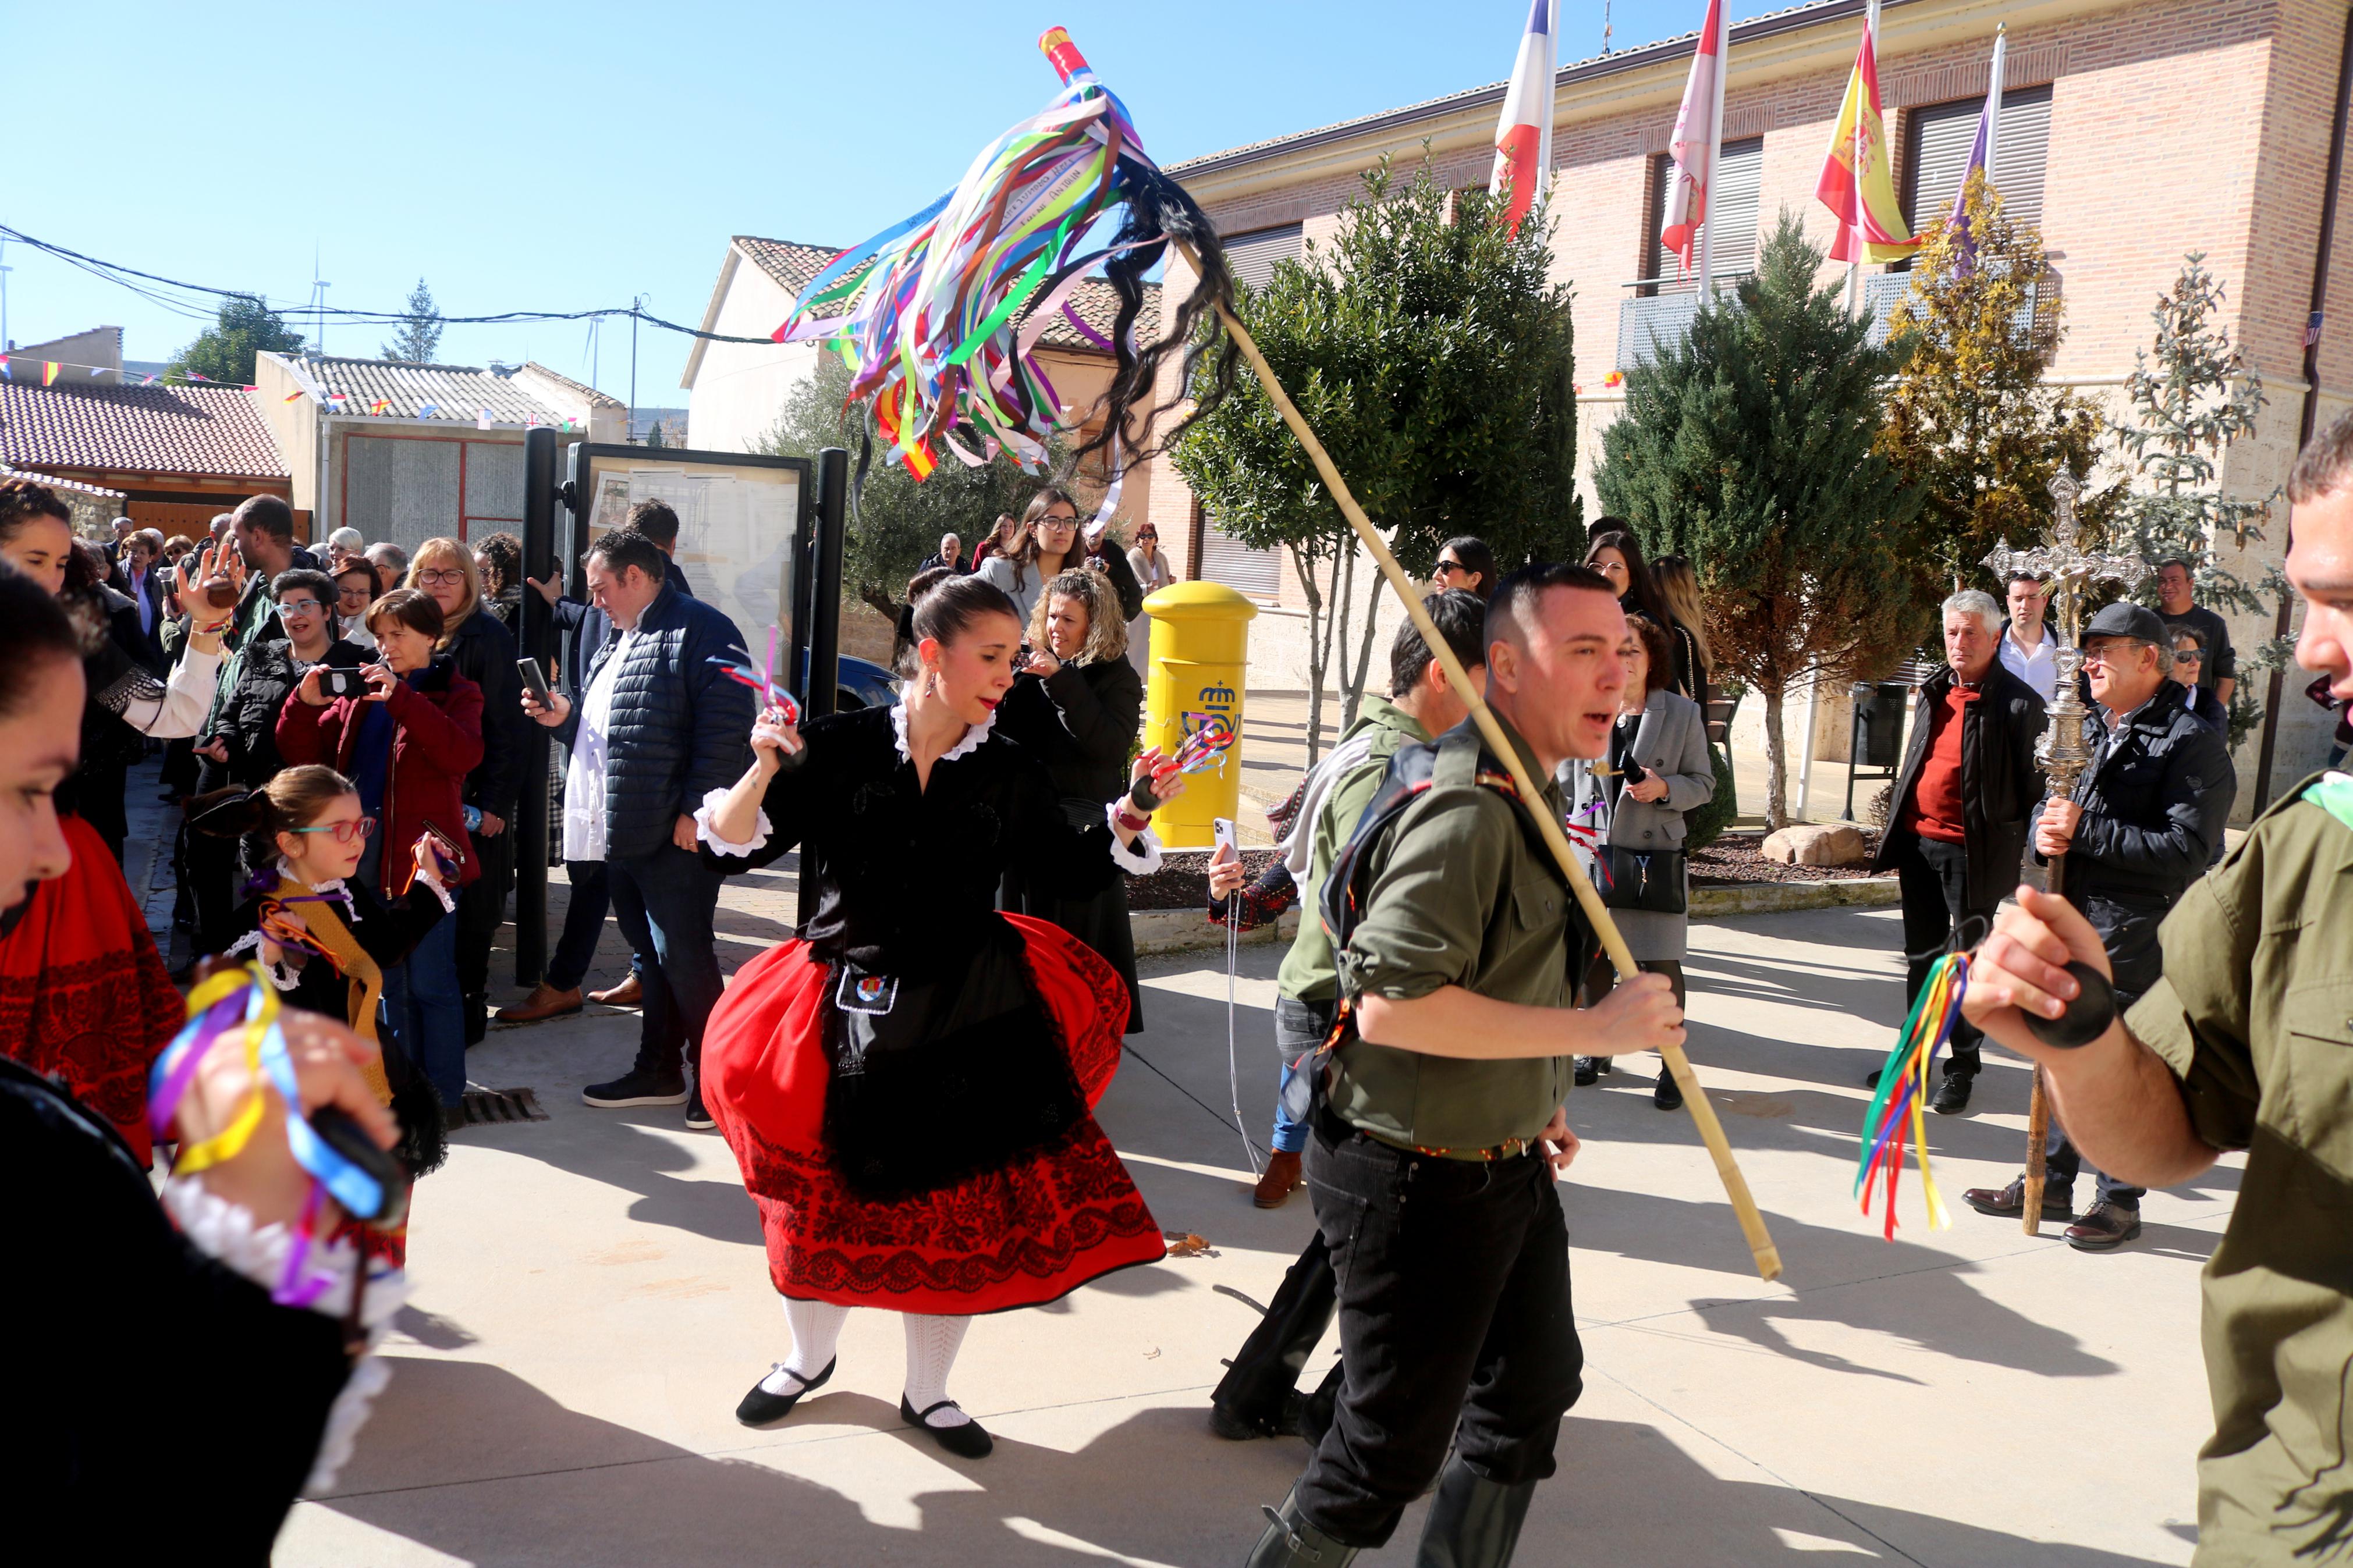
(1710, 1130)
(2038, 1105)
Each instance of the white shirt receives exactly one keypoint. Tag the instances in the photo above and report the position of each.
(584, 780)
(2037, 669)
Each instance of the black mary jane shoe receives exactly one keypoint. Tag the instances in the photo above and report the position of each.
(760, 1407)
(967, 1441)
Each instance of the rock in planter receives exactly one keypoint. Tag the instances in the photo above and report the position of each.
(1827, 844)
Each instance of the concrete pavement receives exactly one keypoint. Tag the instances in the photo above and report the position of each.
(591, 1301)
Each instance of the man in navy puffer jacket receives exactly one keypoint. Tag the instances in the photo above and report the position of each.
(657, 727)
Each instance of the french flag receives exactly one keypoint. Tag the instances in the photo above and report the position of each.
(1524, 140)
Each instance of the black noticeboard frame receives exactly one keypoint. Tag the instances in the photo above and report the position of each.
(559, 497)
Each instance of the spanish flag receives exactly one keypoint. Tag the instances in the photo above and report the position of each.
(49, 369)
(1858, 181)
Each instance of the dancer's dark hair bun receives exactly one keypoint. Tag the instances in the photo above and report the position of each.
(946, 608)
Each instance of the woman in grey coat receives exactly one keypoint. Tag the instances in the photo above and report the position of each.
(1658, 769)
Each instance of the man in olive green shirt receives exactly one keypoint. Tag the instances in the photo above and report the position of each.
(1432, 1164)
(2246, 1043)
(1256, 1396)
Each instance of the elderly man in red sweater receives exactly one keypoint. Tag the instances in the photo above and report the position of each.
(1956, 824)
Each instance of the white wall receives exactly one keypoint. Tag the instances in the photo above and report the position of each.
(740, 388)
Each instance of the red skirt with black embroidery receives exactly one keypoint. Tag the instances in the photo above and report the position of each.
(1029, 1231)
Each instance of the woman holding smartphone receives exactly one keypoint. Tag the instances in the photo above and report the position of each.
(407, 746)
(1658, 769)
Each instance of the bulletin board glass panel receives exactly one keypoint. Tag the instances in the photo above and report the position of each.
(738, 520)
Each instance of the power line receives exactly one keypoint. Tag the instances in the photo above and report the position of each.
(120, 276)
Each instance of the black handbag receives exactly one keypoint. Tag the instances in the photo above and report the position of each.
(1650, 880)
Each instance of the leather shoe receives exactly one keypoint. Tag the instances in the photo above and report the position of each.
(630, 993)
(2103, 1228)
(1952, 1096)
(2009, 1202)
(1588, 1069)
(546, 1000)
(1277, 1181)
(965, 1439)
(760, 1406)
(1667, 1094)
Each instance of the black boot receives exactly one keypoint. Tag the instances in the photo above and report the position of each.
(1474, 1523)
(1315, 1411)
(1291, 1542)
(1255, 1398)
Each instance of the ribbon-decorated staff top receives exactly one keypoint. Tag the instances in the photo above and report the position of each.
(938, 316)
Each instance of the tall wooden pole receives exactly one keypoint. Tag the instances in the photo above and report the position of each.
(1695, 1100)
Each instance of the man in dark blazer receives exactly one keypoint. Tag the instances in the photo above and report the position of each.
(1957, 821)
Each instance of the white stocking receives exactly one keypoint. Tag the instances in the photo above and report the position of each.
(816, 1328)
(932, 1346)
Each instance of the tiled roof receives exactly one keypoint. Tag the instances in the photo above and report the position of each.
(794, 265)
(158, 429)
(456, 393)
(587, 393)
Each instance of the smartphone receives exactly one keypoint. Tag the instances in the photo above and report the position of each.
(337, 680)
(1222, 827)
(534, 681)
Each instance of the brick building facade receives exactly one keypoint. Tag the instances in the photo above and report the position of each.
(2171, 128)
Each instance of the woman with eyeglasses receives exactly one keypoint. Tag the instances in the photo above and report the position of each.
(1467, 563)
(1051, 545)
(1616, 555)
(407, 744)
(478, 644)
(326, 940)
(2189, 669)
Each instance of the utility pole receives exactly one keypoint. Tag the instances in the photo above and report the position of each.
(6, 341)
(637, 304)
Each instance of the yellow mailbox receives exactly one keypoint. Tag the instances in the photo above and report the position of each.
(1200, 647)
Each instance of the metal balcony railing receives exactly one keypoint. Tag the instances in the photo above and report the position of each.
(1647, 322)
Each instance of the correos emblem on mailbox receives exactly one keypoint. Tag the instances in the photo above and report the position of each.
(1200, 646)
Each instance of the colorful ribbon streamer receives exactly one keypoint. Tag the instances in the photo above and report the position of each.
(1896, 1110)
(761, 678)
(924, 313)
(244, 1000)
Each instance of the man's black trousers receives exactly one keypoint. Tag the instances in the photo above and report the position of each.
(1933, 876)
(1454, 1325)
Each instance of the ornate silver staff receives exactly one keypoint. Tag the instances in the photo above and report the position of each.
(2070, 569)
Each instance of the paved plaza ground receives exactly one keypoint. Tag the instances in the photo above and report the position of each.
(591, 1302)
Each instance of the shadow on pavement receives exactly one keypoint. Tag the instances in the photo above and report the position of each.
(524, 1480)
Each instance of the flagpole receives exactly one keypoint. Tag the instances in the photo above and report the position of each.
(1715, 148)
(1551, 87)
(1854, 158)
(1993, 96)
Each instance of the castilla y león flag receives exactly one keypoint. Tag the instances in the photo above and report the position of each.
(1524, 140)
(1695, 146)
(1858, 181)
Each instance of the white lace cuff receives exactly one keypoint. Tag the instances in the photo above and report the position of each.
(225, 1230)
(1140, 859)
(282, 974)
(707, 814)
(432, 879)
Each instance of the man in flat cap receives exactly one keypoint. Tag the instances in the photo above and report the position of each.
(2142, 825)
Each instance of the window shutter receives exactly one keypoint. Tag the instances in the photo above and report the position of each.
(1731, 213)
(1942, 134)
(1250, 258)
(1225, 559)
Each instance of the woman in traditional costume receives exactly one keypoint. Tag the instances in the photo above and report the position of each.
(326, 940)
(907, 1088)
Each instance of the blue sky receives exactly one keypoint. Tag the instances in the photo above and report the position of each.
(568, 157)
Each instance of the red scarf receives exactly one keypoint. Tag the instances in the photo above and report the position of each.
(84, 995)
